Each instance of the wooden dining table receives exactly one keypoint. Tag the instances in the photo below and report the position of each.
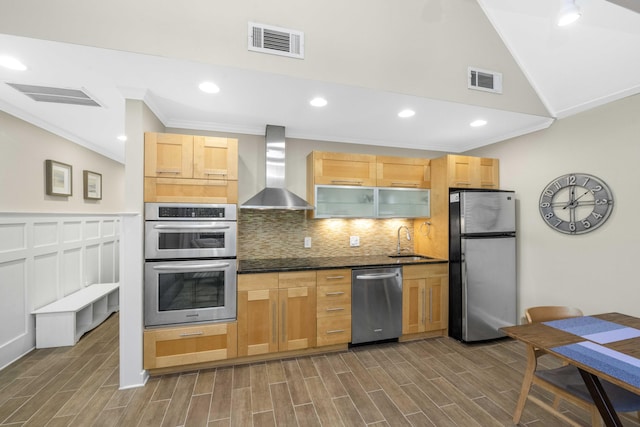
(603, 346)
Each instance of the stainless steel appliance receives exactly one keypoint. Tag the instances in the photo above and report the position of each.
(190, 231)
(482, 263)
(190, 266)
(376, 304)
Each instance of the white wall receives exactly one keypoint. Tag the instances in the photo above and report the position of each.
(23, 151)
(50, 246)
(419, 47)
(44, 257)
(595, 271)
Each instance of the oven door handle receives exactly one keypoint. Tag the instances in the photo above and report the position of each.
(191, 227)
(191, 267)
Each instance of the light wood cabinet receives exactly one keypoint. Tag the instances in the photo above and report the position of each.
(341, 169)
(425, 298)
(193, 169)
(184, 345)
(276, 312)
(403, 172)
(334, 307)
(472, 172)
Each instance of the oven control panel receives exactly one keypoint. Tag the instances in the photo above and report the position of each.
(186, 211)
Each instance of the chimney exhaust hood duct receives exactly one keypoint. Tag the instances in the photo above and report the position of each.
(275, 196)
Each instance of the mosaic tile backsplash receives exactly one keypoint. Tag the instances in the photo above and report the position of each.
(280, 234)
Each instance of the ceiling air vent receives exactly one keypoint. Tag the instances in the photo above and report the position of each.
(275, 40)
(55, 95)
(485, 80)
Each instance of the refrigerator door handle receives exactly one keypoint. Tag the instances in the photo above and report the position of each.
(463, 277)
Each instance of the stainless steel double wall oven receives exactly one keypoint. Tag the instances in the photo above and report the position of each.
(190, 263)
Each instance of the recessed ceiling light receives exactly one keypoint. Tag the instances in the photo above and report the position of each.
(406, 113)
(209, 87)
(12, 63)
(122, 138)
(478, 123)
(569, 13)
(318, 102)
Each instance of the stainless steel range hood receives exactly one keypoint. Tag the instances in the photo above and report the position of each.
(275, 196)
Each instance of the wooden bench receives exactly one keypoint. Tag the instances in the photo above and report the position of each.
(64, 321)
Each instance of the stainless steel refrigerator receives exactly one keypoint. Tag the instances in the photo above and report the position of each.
(482, 263)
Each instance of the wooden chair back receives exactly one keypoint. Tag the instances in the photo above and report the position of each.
(550, 312)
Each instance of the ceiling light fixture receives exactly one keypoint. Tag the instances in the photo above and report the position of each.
(12, 63)
(209, 87)
(569, 12)
(406, 113)
(477, 123)
(318, 102)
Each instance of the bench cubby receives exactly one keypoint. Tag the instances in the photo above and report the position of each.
(64, 321)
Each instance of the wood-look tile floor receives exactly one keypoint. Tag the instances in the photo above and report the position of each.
(434, 382)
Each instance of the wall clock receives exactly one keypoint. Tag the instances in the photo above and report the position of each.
(576, 203)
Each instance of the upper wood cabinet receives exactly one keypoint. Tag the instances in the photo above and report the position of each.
(403, 172)
(472, 172)
(187, 168)
(168, 155)
(215, 158)
(341, 169)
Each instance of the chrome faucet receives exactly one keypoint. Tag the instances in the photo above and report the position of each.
(408, 237)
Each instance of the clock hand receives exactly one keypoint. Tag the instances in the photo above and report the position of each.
(572, 197)
(574, 202)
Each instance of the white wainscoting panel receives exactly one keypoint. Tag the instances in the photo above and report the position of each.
(44, 257)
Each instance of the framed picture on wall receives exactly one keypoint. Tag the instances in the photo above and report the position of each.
(58, 178)
(92, 185)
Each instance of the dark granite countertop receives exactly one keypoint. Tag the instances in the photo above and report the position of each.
(322, 263)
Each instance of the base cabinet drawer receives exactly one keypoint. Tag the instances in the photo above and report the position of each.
(334, 330)
(176, 346)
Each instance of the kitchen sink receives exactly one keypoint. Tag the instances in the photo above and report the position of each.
(413, 257)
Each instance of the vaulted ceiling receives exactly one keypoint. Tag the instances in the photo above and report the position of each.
(368, 58)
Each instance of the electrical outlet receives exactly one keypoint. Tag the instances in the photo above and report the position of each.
(354, 241)
(307, 242)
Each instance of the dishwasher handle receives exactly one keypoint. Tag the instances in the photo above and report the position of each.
(376, 276)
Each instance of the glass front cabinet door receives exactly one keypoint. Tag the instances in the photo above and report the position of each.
(333, 201)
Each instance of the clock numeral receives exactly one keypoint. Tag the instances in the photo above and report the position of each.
(548, 192)
(548, 215)
(545, 205)
(596, 215)
(586, 180)
(572, 226)
(571, 180)
(596, 188)
(558, 222)
(557, 185)
(601, 201)
(586, 224)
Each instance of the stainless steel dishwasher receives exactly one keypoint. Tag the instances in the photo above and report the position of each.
(376, 304)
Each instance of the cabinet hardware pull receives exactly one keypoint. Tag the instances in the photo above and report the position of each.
(335, 331)
(430, 305)
(334, 277)
(404, 184)
(284, 321)
(347, 181)
(274, 326)
(335, 308)
(191, 334)
(215, 173)
(424, 304)
(333, 294)
(176, 171)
